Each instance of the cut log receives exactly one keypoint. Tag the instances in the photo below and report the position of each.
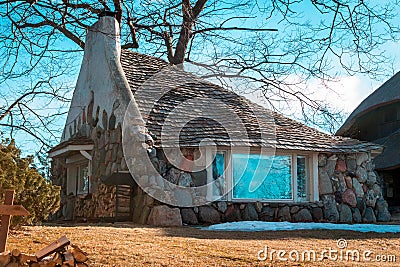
(61, 256)
(24, 258)
(57, 258)
(15, 253)
(78, 254)
(68, 259)
(53, 247)
(50, 264)
(4, 259)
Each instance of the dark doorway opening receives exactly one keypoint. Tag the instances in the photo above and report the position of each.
(391, 190)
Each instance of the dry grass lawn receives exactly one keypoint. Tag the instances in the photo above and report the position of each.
(134, 245)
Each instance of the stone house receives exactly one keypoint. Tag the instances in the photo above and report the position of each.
(377, 119)
(301, 174)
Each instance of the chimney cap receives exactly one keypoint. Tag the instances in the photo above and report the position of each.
(107, 13)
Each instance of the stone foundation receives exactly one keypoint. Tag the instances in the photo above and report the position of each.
(349, 191)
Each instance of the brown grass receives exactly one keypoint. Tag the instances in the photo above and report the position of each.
(134, 245)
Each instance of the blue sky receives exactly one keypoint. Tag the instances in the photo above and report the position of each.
(345, 94)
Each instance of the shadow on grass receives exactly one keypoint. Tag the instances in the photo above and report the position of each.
(272, 235)
(198, 233)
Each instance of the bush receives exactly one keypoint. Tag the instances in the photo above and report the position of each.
(37, 195)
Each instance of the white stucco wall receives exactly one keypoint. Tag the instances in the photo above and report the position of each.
(102, 74)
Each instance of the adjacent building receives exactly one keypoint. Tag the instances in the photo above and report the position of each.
(377, 119)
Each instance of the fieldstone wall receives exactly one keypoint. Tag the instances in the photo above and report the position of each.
(231, 212)
(107, 154)
(107, 157)
(349, 189)
(58, 177)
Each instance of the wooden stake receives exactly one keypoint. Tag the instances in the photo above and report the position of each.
(5, 220)
(15, 210)
(6, 211)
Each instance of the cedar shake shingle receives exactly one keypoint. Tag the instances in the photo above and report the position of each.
(191, 91)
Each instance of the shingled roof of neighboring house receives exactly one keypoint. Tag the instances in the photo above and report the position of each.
(386, 94)
(389, 159)
(290, 134)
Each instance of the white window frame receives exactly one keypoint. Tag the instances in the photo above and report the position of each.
(79, 190)
(210, 190)
(311, 183)
(74, 164)
(309, 177)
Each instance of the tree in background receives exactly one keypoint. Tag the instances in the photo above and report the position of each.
(37, 195)
(278, 45)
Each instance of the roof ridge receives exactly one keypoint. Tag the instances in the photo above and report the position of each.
(143, 55)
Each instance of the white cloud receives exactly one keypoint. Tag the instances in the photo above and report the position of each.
(343, 94)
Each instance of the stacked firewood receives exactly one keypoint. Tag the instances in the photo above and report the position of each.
(84, 207)
(104, 200)
(124, 200)
(99, 204)
(59, 255)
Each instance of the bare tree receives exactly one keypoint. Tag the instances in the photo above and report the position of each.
(31, 112)
(267, 42)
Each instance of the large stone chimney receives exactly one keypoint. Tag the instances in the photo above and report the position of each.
(102, 90)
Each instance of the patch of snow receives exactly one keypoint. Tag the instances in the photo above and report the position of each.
(256, 226)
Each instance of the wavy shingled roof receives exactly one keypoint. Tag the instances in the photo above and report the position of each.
(290, 134)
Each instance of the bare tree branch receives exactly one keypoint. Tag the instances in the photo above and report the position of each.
(279, 40)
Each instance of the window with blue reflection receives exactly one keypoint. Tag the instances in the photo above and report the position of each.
(218, 169)
(262, 177)
(219, 165)
(302, 175)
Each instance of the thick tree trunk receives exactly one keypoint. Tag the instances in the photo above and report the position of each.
(190, 16)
